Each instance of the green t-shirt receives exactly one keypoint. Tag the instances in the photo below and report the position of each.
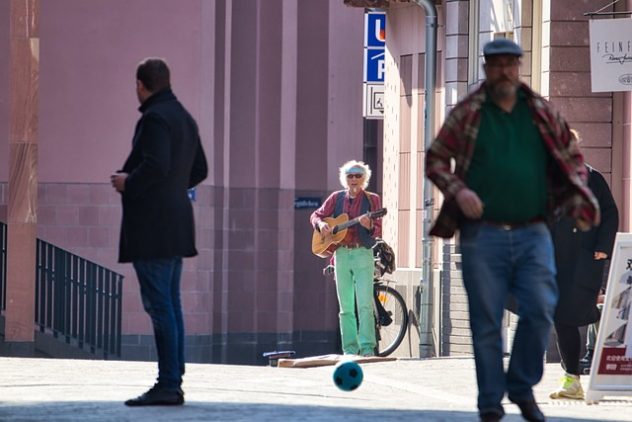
(508, 168)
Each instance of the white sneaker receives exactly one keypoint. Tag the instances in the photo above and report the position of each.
(571, 388)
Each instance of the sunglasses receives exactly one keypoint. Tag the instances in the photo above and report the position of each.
(356, 175)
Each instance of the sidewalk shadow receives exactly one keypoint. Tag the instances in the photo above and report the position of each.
(222, 411)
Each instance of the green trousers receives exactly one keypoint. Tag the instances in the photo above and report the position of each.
(354, 281)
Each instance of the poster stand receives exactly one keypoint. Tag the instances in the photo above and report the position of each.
(611, 370)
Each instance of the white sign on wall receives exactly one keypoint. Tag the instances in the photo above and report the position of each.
(373, 101)
(611, 54)
(611, 371)
(374, 64)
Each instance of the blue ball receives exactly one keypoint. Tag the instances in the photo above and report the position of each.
(348, 376)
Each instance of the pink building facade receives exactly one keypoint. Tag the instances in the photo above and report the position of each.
(276, 88)
(554, 36)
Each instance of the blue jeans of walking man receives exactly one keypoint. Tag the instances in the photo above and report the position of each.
(160, 292)
(498, 261)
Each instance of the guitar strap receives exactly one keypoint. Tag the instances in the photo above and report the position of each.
(340, 203)
(340, 198)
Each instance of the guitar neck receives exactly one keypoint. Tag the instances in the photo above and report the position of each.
(352, 222)
(347, 224)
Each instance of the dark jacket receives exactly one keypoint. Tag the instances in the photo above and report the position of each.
(166, 159)
(579, 275)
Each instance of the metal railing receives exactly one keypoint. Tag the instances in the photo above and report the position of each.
(76, 300)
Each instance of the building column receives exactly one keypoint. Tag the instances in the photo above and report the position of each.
(622, 150)
(22, 200)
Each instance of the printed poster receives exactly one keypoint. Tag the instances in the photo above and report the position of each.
(611, 372)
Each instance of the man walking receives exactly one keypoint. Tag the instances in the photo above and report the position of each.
(157, 230)
(516, 166)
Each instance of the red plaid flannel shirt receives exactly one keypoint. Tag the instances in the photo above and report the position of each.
(568, 192)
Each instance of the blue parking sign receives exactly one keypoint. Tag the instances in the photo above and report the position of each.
(375, 30)
(374, 65)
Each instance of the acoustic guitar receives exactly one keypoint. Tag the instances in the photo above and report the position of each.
(325, 245)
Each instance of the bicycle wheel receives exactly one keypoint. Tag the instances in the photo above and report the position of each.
(390, 336)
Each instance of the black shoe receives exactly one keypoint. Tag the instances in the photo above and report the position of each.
(490, 417)
(492, 414)
(158, 396)
(587, 359)
(584, 368)
(530, 411)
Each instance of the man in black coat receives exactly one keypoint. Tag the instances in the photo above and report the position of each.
(580, 258)
(158, 230)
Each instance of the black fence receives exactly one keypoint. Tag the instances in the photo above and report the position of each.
(78, 301)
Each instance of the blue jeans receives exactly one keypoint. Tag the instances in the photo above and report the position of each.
(160, 292)
(498, 262)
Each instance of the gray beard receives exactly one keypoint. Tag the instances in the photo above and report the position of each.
(503, 91)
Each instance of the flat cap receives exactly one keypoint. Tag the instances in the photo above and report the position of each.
(502, 46)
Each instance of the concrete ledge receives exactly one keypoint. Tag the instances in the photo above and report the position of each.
(238, 348)
(17, 349)
(48, 345)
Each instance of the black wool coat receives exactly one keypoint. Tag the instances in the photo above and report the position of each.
(579, 275)
(166, 159)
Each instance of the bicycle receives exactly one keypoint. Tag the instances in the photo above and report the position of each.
(390, 310)
(391, 317)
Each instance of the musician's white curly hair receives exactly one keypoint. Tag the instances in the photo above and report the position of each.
(354, 166)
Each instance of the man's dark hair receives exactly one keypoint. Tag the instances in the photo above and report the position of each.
(153, 72)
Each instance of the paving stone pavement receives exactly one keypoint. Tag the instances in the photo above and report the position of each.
(441, 389)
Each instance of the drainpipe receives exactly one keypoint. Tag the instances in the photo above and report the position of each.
(625, 224)
(425, 320)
